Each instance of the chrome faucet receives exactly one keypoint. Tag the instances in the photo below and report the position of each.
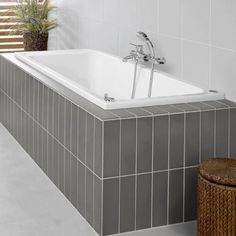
(138, 56)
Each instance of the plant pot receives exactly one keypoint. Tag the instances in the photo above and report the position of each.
(35, 41)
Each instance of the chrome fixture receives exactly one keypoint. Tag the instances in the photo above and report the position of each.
(138, 56)
(108, 99)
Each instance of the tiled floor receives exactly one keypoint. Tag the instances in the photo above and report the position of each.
(30, 204)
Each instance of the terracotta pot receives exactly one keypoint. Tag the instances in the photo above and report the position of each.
(35, 41)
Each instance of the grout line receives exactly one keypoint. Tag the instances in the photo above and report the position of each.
(119, 212)
(168, 171)
(229, 132)
(102, 187)
(215, 121)
(136, 171)
(94, 145)
(85, 179)
(184, 163)
(152, 172)
(200, 137)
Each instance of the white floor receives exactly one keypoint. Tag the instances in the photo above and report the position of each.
(30, 204)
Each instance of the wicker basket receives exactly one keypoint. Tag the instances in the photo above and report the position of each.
(217, 197)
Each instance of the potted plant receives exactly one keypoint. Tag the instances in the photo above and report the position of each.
(33, 23)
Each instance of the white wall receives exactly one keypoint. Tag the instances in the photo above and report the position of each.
(197, 37)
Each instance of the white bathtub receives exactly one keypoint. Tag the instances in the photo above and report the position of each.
(92, 74)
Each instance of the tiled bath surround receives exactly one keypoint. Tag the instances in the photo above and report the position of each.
(126, 169)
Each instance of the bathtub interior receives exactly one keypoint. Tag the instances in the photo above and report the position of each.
(101, 73)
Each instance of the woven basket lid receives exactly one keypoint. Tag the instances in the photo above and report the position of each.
(219, 170)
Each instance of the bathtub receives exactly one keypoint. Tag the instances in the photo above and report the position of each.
(95, 75)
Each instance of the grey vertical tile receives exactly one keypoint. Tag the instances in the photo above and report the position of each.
(40, 147)
(90, 141)
(45, 107)
(31, 94)
(27, 93)
(143, 207)
(161, 132)
(68, 120)
(18, 88)
(82, 134)
(61, 163)
(128, 146)
(50, 157)
(111, 148)
(110, 206)
(160, 189)
(73, 180)
(40, 108)
(207, 134)
(176, 196)
(67, 174)
(74, 138)
(55, 163)
(81, 188)
(61, 117)
(176, 140)
(89, 196)
(98, 147)
(56, 115)
(35, 141)
(30, 133)
(50, 110)
(192, 139)
(127, 204)
(45, 152)
(36, 99)
(222, 135)
(233, 133)
(144, 145)
(97, 200)
(190, 207)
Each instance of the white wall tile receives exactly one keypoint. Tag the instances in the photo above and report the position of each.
(170, 18)
(223, 77)
(196, 64)
(196, 20)
(111, 11)
(224, 23)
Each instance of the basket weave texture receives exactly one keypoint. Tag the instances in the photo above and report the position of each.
(216, 211)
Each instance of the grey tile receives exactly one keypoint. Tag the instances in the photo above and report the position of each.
(50, 157)
(143, 207)
(89, 196)
(171, 109)
(56, 116)
(228, 103)
(68, 120)
(201, 106)
(61, 122)
(81, 134)
(186, 107)
(18, 94)
(31, 94)
(67, 174)
(97, 204)
(50, 110)
(156, 110)
(40, 108)
(56, 163)
(122, 113)
(110, 206)
(128, 146)
(73, 180)
(61, 168)
(81, 188)
(222, 136)
(176, 196)
(190, 207)
(127, 204)
(144, 145)
(176, 140)
(45, 107)
(215, 104)
(27, 93)
(233, 133)
(207, 134)
(36, 99)
(192, 139)
(98, 147)
(40, 147)
(90, 141)
(35, 141)
(45, 151)
(111, 148)
(138, 112)
(160, 189)
(74, 138)
(161, 131)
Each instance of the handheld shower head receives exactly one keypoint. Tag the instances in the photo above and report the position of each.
(143, 37)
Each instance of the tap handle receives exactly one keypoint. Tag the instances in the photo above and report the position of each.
(139, 48)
